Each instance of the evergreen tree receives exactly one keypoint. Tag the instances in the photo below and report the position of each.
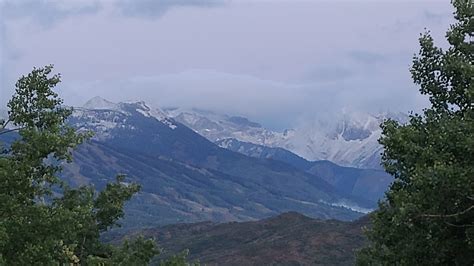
(38, 226)
(428, 215)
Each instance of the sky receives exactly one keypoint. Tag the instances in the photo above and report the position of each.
(275, 62)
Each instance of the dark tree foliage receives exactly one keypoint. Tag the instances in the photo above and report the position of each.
(38, 225)
(428, 215)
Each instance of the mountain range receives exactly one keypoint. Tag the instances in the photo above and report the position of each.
(348, 138)
(185, 177)
(369, 184)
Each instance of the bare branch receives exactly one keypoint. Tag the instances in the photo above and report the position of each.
(448, 215)
(459, 225)
(5, 123)
(10, 130)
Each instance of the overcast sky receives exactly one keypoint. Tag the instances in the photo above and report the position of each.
(273, 61)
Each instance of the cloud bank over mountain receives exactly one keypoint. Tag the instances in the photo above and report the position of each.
(273, 61)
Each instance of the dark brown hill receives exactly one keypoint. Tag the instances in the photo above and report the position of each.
(287, 239)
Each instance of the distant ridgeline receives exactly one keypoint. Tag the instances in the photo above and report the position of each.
(348, 139)
(187, 178)
(266, 242)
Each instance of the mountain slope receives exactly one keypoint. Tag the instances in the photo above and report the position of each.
(348, 139)
(287, 239)
(189, 177)
(369, 184)
(173, 191)
(216, 127)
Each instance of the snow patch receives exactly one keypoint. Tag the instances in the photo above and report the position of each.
(156, 113)
(352, 207)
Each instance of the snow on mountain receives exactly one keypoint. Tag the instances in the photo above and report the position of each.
(102, 116)
(101, 122)
(99, 103)
(157, 113)
(348, 139)
(216, 127)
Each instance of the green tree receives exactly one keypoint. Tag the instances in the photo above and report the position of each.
(428, 215)
(43, 221)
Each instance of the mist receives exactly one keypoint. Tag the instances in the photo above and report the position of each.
(275, 62)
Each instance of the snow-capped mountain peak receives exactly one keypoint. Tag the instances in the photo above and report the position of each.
(156, 113)
(216, 127)
(103, 116)
(348, 138)
(99, 103)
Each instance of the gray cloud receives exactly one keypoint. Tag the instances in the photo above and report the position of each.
(437, 17)
(44, 12)
(4, 93)
(156, 8)
(272, 61)
(277, 104)
(330, 73)
(367, 57)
